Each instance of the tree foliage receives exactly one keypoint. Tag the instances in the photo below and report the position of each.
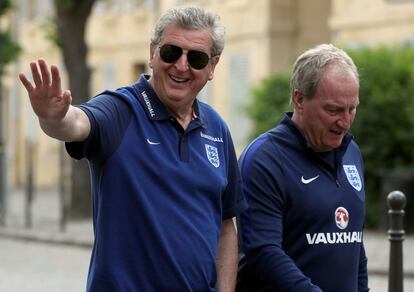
(9, 49)
(385, 120)
(271, 99)
(4, 6)
(384, 123)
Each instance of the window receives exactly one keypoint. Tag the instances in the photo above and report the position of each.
(32, 10)
(139, 68)
(205, 94)
(399, 1)
(29, 9)
(109, 75)
(239, 88)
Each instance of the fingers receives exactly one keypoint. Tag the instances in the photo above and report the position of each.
(45, 72)
(56, 81)
(35, 74)
(43, 78)
(67, 97)
(26, 83)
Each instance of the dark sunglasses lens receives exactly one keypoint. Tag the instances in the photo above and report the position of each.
(170, 53)
(197, 60)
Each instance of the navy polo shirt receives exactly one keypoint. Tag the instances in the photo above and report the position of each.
(160, 193)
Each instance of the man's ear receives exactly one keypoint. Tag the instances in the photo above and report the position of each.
(214, 61)
(297, 100)
(152, 51)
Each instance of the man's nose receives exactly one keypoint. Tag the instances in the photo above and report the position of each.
(346, 120)
(182, 62)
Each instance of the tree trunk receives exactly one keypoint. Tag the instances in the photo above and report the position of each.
(72, 17)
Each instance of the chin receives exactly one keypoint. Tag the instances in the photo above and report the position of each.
(336, 145)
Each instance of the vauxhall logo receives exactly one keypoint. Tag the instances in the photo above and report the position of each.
(334, 237)
(148, 103)
(341, 221)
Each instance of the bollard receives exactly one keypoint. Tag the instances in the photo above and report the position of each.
(396, 202)
(29, 187)
(64, 195)
(2, 184)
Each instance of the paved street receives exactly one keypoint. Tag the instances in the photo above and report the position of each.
(37, 267)
(43, 259)
(380, 284)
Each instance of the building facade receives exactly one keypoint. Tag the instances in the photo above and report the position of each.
(263, 37)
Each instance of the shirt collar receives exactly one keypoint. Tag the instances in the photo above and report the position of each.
(153, 106)
(287, 119)
(149, 99)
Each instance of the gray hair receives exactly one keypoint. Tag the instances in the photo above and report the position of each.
(192, 18)
(309, 66)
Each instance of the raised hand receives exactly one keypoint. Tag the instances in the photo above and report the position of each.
(48, 100)
(52, 105)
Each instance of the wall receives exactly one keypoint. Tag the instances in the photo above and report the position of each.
(263, 37)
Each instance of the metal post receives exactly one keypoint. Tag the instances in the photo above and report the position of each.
(2, 178)
(63, 189)
(29, 186)
(396, 202)
(2, 160)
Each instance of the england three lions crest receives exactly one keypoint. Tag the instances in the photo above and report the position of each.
(212, 155)
(353, 176)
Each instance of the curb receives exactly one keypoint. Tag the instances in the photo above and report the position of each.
(383, 272)
(46, 237)
(67, 239)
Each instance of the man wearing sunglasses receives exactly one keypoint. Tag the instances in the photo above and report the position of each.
(165, 179)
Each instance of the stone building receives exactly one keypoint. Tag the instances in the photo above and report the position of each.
(263, 37)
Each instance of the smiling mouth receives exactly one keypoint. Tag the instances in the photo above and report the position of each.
(178, 79)
(338, 133)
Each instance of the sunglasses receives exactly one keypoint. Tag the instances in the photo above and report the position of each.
(170, 54)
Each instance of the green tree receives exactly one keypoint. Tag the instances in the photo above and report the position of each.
(71, 20)
(271, 98)
(384, 124)
(9, 49)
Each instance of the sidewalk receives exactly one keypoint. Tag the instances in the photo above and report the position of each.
(45, 228)
(45, 221)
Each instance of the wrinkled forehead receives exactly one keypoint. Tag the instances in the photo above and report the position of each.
(188, 38)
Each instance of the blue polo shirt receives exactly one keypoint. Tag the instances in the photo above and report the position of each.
(160, 193)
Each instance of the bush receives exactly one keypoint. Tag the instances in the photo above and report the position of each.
(384, 125)
(271, 98)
